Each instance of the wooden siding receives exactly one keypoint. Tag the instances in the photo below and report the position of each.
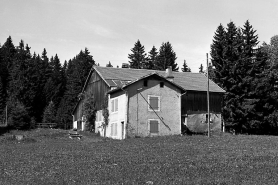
(98, 87)
(194, 101)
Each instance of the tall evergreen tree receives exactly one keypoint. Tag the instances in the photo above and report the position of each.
(138, 56)
(7, 55)
(166, 57)
(77, 72)
(185, 67)
(49, 113)
(151, 59)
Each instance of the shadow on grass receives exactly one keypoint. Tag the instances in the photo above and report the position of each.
(4, 130)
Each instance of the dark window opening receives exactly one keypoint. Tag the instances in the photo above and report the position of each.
(145, 83)
(162, 84)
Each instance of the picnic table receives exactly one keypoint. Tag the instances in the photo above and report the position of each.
(75, 135)
(46, 125)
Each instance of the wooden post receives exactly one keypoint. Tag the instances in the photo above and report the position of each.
(208, 97)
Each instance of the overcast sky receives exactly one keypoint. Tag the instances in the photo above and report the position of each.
(109, 28)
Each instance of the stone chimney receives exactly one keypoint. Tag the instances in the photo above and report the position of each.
(169, 74)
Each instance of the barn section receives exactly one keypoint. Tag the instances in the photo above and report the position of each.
(194, 111)
(193, 105)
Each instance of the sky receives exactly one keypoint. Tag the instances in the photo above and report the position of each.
(110, 28)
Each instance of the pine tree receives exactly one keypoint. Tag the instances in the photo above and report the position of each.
(6, 62)
(49, 113)
(185, 67)
(166, 58)
(77, 71)
(138, 56)
(217, 55)
(109, 64)
(18, 116)
(151, 59)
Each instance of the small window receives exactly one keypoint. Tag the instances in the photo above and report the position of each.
(161, 84)
(114, 105)
(154, 126)
(154, 103)
(145, 83)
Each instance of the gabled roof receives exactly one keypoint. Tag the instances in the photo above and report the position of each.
(144, 77)
(186, 80)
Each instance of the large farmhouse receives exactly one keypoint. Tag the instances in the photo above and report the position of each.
(149, 102)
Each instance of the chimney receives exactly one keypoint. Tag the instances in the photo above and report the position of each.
(169, 74)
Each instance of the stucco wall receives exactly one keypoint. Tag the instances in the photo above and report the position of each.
(170, 110)
(117, 118)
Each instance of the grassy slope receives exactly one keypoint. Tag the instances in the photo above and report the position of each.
(50, 157)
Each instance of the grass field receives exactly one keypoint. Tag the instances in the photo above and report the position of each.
(48, 156)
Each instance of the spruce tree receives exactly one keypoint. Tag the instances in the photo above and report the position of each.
(49, 113)
(109, 64)
(138, 56)
(217, 55)
(151, 59)
(166, 57)
(185, 67)
(77, 71)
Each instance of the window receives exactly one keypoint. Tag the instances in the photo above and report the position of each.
(161, 84)
(154, 103)
(154, 126)
(114, 105)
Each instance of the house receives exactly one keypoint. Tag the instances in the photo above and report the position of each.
(149, 106)
(181, 101)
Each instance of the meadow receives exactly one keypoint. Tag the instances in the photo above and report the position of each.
(49, 156)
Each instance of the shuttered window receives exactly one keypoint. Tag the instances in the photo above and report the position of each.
(114, 105)
(154, 126)
(154, 103)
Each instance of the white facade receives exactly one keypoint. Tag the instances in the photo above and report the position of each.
(116, 128)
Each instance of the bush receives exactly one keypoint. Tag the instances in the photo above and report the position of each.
(18, 116)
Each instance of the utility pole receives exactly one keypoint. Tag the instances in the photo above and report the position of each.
(208, 97)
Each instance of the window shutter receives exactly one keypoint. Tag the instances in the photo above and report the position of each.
(115, 131)
(154, 103)
(153, 126)
(116, 105)
(112, 128)
(112, 106)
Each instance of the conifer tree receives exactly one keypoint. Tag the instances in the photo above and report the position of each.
(151, 59)
(109, 64)
(77, 71)
(166, 58)
(185, 67)
(138, 56)
(49, 113)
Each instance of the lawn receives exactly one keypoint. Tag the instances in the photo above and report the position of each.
(48, 156)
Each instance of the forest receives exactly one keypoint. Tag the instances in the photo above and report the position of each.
(37, 88)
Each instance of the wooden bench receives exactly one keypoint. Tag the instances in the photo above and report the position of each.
(74, 135)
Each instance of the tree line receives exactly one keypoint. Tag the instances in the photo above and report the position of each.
(35, 88)
(154, 59)
(247, 72)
